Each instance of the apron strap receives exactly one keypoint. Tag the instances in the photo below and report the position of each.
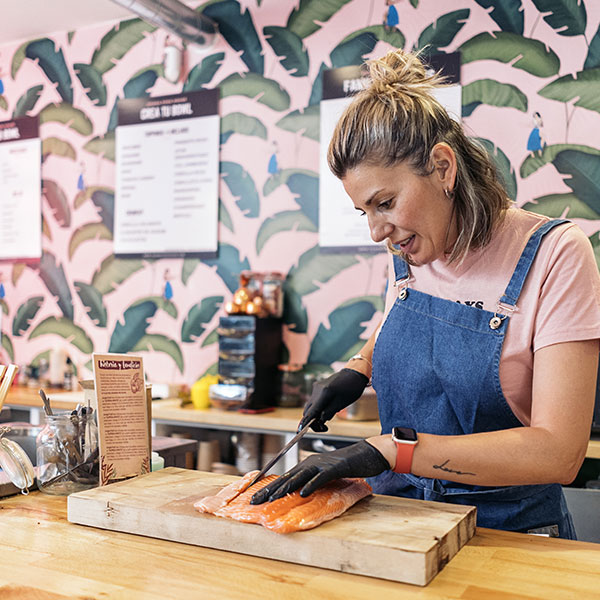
(517, 281)
(400, 268)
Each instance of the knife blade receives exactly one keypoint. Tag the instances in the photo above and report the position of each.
(280, 454)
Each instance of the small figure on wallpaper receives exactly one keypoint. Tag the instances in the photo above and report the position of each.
(536, 142)
(2, 291)
(273, 167)
(390, 18)
(81, 178)
(168, 289)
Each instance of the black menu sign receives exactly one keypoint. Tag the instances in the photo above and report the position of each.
(167, 197)
(20, 189)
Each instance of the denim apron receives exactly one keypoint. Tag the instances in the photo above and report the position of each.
(436, 369)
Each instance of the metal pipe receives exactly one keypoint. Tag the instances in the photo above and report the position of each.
(176, 17)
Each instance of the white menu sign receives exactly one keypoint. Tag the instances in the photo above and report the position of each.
(20, 189)
(341, 228)
(167, 194)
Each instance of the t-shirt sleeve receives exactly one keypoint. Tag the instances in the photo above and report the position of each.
(569, 301)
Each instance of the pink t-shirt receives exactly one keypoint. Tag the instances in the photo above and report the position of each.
(560, 300)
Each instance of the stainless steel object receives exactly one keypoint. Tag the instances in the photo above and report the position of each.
(280, 454)
(364, 409)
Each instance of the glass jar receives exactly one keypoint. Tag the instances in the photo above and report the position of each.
(292, 385)
(272, 291)
(67, 453)
(15, 462)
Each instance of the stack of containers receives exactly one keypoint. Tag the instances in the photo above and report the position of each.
(250, 351)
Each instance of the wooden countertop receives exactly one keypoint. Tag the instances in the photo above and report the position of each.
(47, 558)
(281, 420)
(284, 420)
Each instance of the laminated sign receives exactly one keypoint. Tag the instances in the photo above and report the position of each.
(123, 416)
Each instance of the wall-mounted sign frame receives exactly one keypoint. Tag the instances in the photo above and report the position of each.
(167, 191)
(20, 189)
(341, 228)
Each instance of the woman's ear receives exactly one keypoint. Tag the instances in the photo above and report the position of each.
(443, 160)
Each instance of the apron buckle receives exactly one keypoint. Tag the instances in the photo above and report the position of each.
(497, 319)
(402, 287)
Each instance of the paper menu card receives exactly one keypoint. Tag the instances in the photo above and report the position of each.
(123, 419)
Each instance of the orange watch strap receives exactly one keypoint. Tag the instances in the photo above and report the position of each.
(404, 456)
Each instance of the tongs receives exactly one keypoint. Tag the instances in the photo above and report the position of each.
(280, 454)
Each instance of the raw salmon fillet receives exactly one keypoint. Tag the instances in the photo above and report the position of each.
(290, 513)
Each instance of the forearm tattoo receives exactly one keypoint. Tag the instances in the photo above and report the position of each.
(443, 467)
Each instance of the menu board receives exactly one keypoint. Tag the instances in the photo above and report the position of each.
(20, 189)
(167, 183)
(341, 228)
(123, 416)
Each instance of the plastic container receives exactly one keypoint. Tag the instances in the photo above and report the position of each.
(292, 385)
(199, 392)
(67, 454)
(157, 461)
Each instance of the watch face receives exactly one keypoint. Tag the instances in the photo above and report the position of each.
(404, 434)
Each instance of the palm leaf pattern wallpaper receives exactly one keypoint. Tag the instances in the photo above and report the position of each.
(531, 81)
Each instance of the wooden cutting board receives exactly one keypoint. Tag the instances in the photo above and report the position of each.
(380, 536)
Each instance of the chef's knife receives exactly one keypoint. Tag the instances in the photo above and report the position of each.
(280, 454)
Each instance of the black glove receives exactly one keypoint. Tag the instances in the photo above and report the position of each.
(358, 460)
(332, 395)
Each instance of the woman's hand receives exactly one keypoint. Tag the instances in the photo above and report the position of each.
(332, 395)
(358, 460)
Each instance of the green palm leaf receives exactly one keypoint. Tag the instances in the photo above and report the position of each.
(311, 15)
(441, 33)
(92, 300)
(89, 231)
(333, 344)
(508, 14)
(153, 342)
(493, 93)
(117, 42)
(199, 315)
(263, 90)
(583, 86)
(529, 55)
(25, 314)
(66, 329)
(566, 17)
(304, 121)
(27, 101)
(113, 272)
(289, 220)
(237, 122)
(67, 115)
(290, 48)
(557, 205)
(92, 83)
(532, 163)
(135, 323)
(237, 27)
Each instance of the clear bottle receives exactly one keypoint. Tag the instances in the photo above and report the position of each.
(67, 453)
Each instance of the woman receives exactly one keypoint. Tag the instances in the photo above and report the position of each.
(485, 365)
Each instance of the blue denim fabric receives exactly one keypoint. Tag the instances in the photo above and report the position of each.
(436, 369)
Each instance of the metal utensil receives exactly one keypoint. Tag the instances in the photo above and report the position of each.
(46, 401)
(280, 454)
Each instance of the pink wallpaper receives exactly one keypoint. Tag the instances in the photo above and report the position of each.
(541, 56)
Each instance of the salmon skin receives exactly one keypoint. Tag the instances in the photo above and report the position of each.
(290, 513)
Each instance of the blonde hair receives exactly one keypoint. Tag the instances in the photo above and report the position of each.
(396, 119)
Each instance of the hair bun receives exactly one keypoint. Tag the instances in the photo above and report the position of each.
(402, 72)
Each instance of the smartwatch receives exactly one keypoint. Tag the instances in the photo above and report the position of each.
(406, 439)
